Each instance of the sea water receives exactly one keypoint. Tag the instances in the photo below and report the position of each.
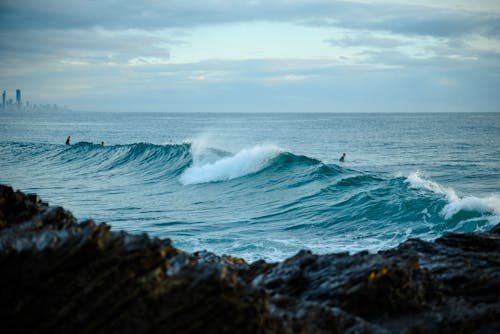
(263, 185)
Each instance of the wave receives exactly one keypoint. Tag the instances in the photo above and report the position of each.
(138, 156)
(245, 162)
(263, 185)
(214, 165)
(456, 204)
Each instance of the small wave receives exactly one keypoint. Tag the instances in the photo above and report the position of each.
(246, 161)
(148, 161)
(485, 205)
(417, 182)
(456, 204)
(358, 180)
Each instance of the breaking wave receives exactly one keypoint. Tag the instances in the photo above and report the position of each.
(232, 202)
(245, 162)
(456, 204)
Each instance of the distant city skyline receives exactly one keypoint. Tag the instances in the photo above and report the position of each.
(9, 104)
(254, 56)
(8, 101)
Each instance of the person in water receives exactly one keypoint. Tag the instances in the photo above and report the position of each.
(102, 143)
(67, 140)
(342, 158)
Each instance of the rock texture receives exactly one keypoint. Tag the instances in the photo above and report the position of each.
(60, 276)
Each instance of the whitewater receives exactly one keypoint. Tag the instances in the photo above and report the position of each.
(263, 186)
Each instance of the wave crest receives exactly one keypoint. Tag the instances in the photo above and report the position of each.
(246, 161)
(456, 204)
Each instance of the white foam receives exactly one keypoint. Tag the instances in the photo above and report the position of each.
(487, 205)
(246, 161)
(416, 181)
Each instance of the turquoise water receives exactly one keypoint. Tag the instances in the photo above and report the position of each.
(263, 185)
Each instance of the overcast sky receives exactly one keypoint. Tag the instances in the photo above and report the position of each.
(253, 56)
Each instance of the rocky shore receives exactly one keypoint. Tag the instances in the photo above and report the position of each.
(60, 276)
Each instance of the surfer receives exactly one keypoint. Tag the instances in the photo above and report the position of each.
(67, 140)
(102, 143)
(342, 158)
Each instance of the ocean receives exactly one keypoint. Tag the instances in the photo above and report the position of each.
(263, 186)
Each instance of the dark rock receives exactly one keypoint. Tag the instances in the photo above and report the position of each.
(60, 276)
(496, 229)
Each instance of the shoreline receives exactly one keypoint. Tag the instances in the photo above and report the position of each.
(59, 275)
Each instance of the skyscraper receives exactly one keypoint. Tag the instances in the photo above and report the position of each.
(18, 97)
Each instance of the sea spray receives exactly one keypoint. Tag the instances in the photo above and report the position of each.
(246, 161)
(485, 205)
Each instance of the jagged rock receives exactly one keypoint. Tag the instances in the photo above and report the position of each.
(60, 276)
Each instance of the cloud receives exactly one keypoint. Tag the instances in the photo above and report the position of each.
(263, 85)
(154, 15)
(408, 20)
(93, 46)
(135, 33)
(287, 79)
(184, 55)
(445, 23)
(107, 14)
(446, 82)
(367, 39)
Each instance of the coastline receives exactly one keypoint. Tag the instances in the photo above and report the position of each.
(59, 275)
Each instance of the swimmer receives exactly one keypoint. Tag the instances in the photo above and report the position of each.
(342, 158)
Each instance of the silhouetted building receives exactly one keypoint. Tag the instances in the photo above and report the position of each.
(18, 97)
(11, 104)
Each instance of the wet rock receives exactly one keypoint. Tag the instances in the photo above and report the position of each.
(60, 276)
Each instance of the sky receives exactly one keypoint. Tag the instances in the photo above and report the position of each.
(253, 56)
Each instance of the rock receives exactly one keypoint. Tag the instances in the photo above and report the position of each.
(59, 276)
(495, 229)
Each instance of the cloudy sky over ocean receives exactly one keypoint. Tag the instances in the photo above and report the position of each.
(253, 56)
